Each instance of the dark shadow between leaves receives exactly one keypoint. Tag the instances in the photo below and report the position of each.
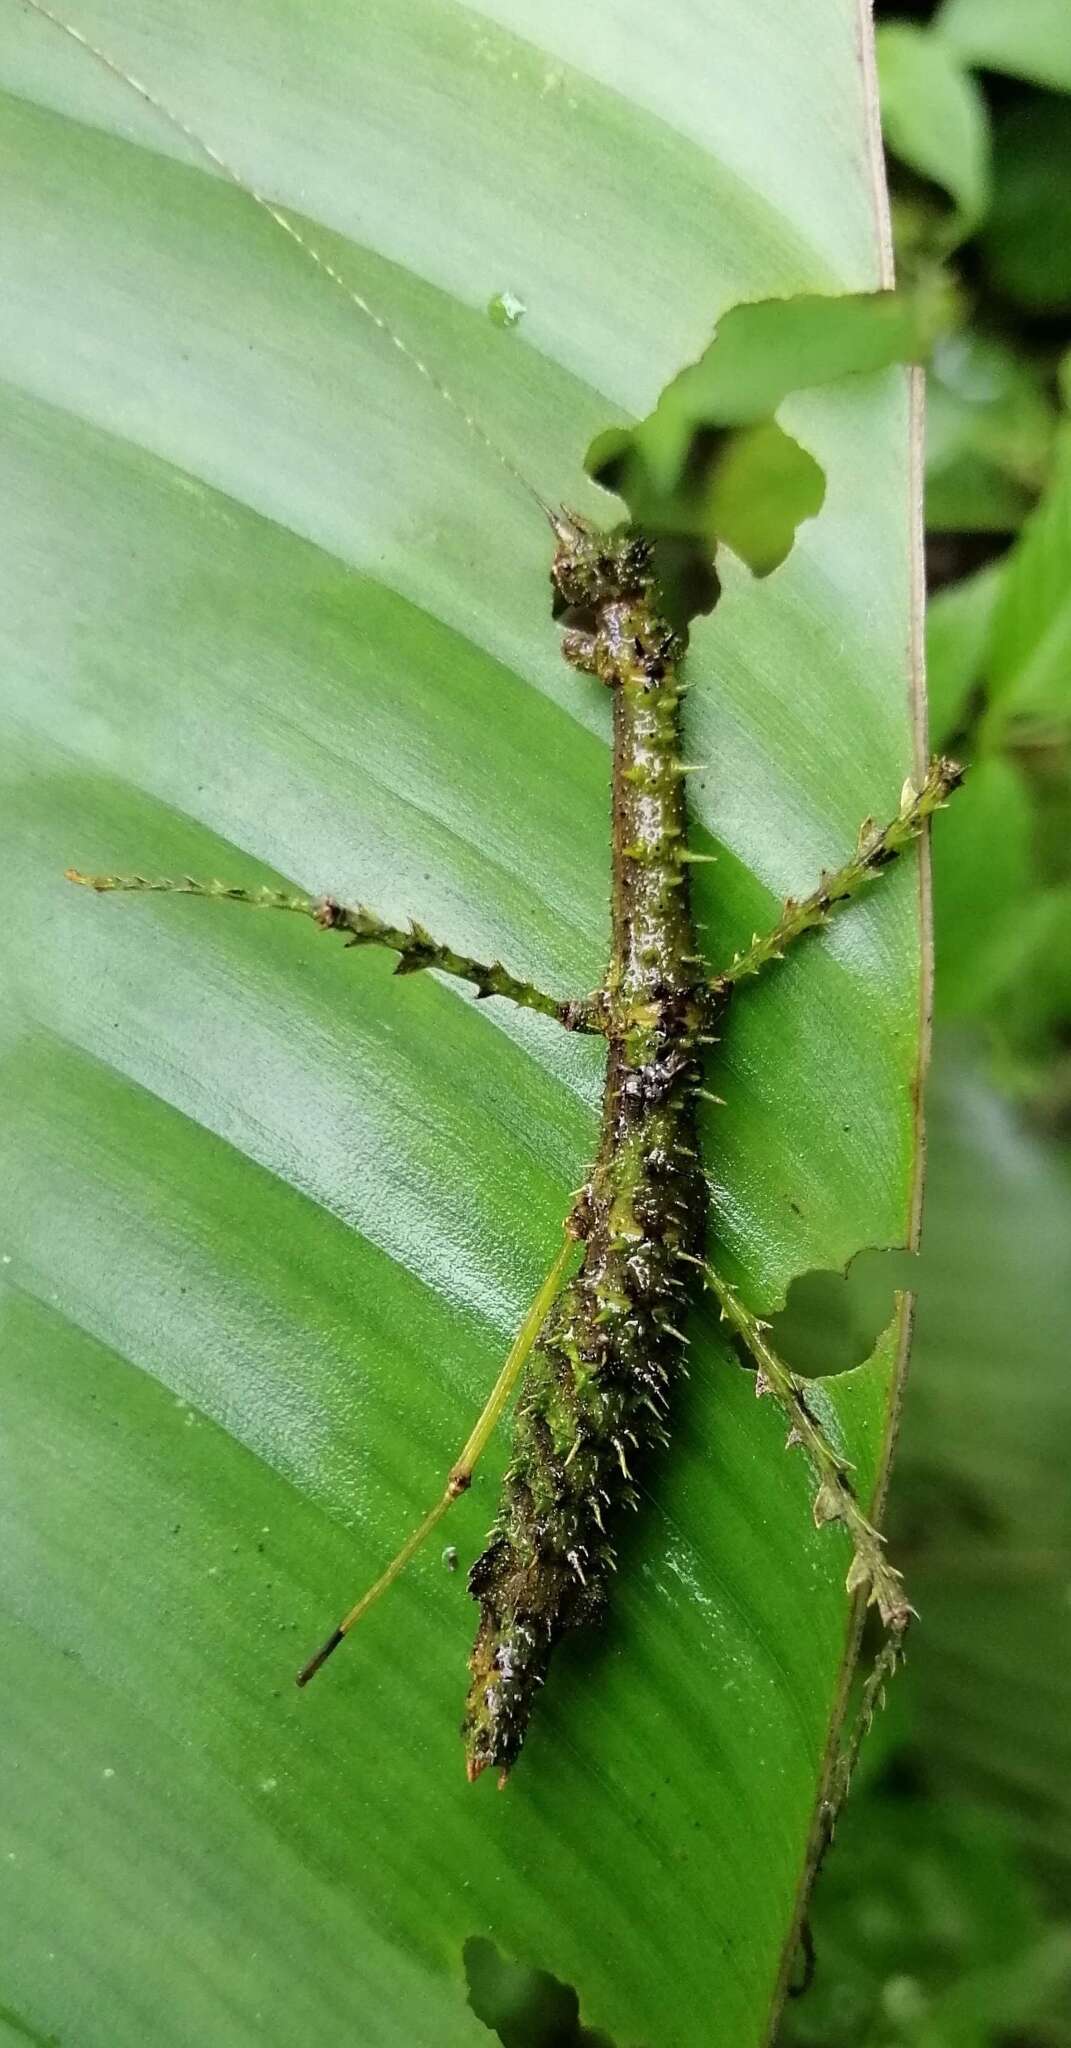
(832, 1321)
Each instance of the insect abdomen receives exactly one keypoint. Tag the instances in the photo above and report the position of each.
(596, 1402)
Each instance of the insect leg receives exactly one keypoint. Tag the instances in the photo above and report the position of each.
(878, 847)
(459, 1478)
(834, 1502)
(415, 947)
(836, 1499)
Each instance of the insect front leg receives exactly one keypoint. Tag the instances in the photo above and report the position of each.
(416, 949)
(876, 850)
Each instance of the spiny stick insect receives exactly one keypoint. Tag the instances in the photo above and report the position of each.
(602, 1344)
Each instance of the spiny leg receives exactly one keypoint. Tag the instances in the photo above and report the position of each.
(872, 1697)
(459, 1478)
(877, 848)
(835, 1501)
(415, 947)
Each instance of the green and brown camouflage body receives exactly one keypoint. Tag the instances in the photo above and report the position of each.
(598, 1386)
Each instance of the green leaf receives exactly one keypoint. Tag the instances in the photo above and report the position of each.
(958, 620)
(1026, 246)
(983, 878)
(934, 117)
(1030, 40)
(269, 1215)
(1030, 641)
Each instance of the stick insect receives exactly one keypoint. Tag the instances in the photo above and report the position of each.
(602, 1344)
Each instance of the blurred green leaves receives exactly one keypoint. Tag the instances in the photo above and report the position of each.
(998, 464)
(930, 1926)
(926, 1933)
(944, 1919)
(934, 118)
(1027, 38)
(990, 425)
(999, 649)
(1026, 244)
(1029, 653)
(958, 626)
(983, 1509)
(981, 196)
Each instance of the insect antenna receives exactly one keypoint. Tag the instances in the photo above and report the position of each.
(308, 248)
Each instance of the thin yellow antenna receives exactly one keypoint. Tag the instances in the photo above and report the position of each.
(315, 255)
(460, 1475)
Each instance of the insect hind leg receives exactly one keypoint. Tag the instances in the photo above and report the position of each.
(836, 1499)
(459, 1477)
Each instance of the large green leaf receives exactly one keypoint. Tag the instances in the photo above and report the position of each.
(269, 1216)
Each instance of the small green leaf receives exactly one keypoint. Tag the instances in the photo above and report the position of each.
(934, 118)
(958, 621)
(1030, 646)
(1026, 38)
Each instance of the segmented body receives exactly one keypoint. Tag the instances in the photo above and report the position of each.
(598, 1387)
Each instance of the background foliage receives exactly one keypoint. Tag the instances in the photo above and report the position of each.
(944, 1919)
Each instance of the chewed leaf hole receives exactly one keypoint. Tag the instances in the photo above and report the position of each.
(832, 1321)
(711, 463)
(526, 2008)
